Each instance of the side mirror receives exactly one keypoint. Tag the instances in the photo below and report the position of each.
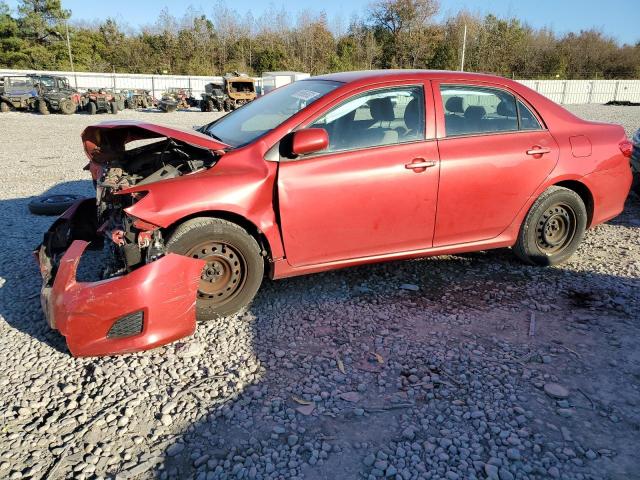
(309, 140)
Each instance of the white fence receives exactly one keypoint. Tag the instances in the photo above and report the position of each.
(586, 91)
(560, 91)
(156, 84)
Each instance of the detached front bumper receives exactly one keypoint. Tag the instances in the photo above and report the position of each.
(151, 306)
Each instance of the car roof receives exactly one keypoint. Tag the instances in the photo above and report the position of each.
(398, 74)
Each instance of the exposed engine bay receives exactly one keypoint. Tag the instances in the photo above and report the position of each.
(132, 242)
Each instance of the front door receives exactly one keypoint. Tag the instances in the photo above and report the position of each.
(373, 190)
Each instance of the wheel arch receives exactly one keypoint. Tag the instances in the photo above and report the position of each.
(251, 228)
(585, 194)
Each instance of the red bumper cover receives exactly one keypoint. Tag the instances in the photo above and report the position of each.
(159, 296)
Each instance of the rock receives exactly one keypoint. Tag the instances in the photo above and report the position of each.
(190, 349)
(555, 390)
(306, 409)
(408, 433)
(491, 471)
(166, 420)
(513, 454)
(410, 287)
(280, 353)
(292, 440)
(505, 474)
(369, 460)
(350, 396)
(175, 449)
(168, 408)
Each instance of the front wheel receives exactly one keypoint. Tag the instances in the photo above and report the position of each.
(67, 107)
(553, 228)
(113, 108)
(4, 107)
(43, 108)
(234, 269)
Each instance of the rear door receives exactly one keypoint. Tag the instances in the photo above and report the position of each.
(374, 190)
(494, 153)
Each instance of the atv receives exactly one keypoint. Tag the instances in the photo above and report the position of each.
(99, 100)
(137, 98)
(55, 94)
(175, 98)
(17, 93)
(213, 98)
(239, 89)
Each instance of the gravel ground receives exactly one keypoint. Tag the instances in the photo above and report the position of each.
(417, 369)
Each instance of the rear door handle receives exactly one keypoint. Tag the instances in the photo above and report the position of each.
(420, 164)
(536, 150)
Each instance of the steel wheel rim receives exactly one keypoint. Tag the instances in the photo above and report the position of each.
(556, 228)
(224, 274)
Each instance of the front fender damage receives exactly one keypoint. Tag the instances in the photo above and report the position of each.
(145, 308)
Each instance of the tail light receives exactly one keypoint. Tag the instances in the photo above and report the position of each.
(626, 147)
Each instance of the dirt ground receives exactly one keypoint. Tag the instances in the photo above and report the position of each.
(454, 367)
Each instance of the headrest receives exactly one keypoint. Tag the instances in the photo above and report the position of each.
(412, 115)
(454, 105)
(506, 109)
(474, 112)
(381, 109)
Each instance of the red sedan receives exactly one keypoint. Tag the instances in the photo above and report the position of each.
(328, 172)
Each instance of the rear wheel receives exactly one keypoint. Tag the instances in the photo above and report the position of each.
(92, 108)
(553, 228)
(234, 269)
(4, 107)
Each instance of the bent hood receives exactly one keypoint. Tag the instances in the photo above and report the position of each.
(107, 140)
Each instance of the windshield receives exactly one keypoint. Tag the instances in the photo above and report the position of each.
(47, 81)
(264, 114)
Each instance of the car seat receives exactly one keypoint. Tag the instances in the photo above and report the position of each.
(453, 117)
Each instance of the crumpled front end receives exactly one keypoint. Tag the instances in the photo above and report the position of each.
(149, 306)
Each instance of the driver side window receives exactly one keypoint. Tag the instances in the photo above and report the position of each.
(382, 117)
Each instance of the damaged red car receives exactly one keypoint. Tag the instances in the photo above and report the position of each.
(327, 172)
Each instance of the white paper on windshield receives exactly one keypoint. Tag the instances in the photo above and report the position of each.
(305, 95)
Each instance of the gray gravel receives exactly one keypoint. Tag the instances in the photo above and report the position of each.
(406, 370)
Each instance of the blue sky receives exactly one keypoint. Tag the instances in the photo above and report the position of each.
(617, 18)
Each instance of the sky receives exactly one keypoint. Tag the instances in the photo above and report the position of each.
(619, 19)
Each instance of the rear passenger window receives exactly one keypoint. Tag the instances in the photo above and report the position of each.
(470, 110)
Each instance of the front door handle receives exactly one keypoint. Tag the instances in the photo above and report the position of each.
(538, 151)
(419, 164)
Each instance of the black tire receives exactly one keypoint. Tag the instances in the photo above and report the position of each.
(92, 108)
(235, 265)
(635, 185)
(553, 228)
(43, 108)
(52, 204)
(67, 106)
(113, 108)
(4, 107)
(203, 106)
